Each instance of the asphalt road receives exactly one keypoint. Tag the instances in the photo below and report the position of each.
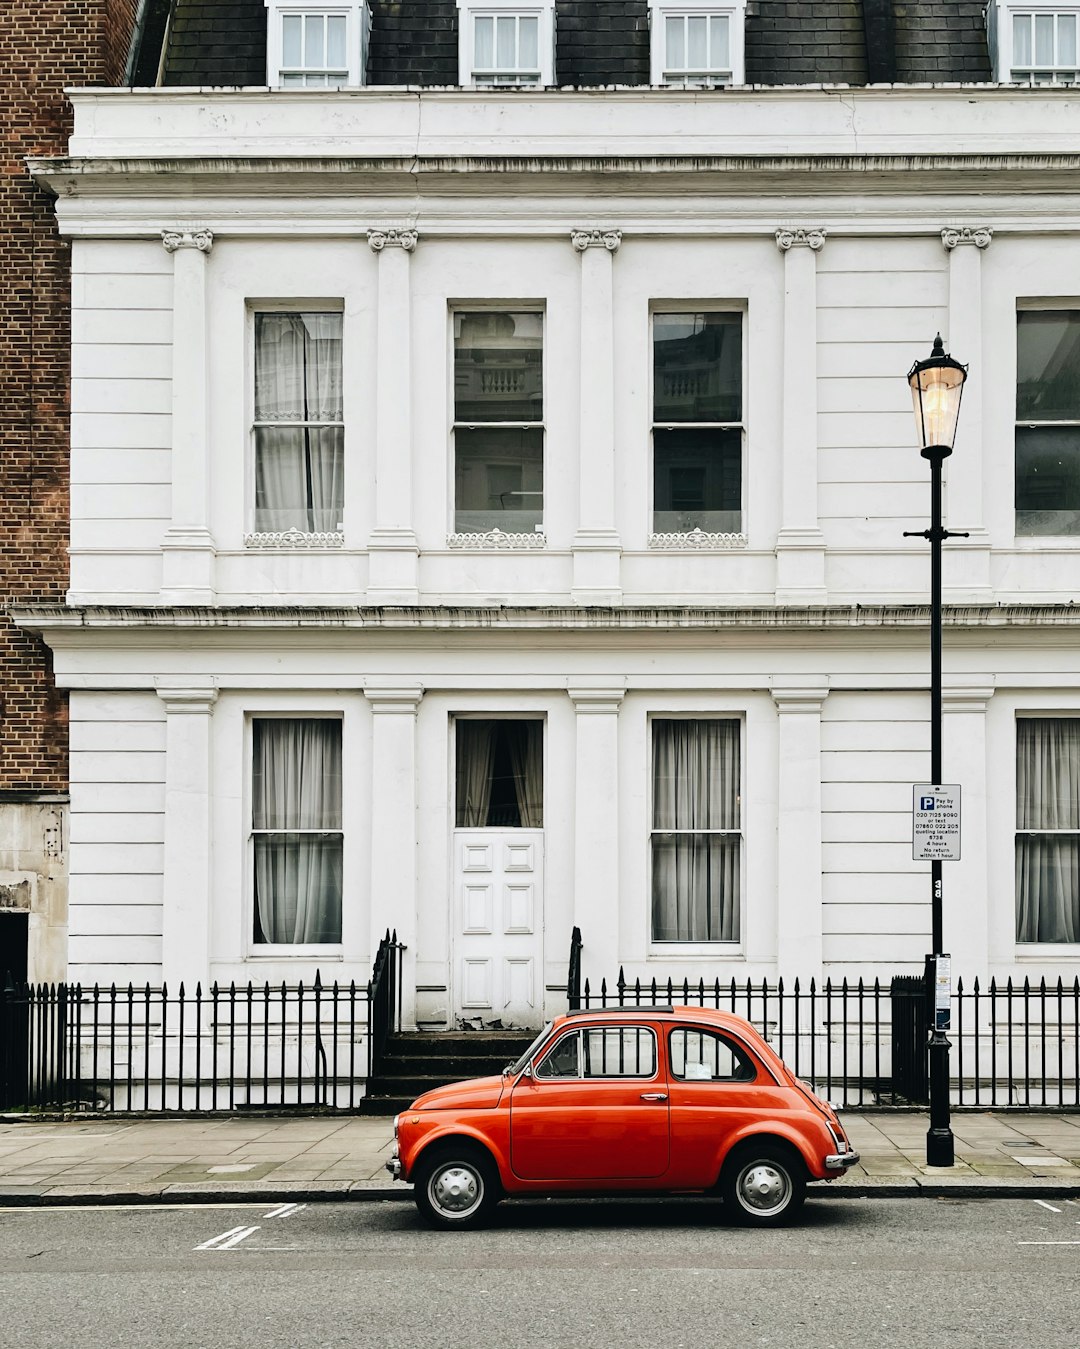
(880, 1273)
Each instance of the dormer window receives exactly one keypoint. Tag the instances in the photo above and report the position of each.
(506, 43)
(316, 46)
(1034, 43)
(697, 44)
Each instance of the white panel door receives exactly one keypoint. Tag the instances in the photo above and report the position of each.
(498, 925)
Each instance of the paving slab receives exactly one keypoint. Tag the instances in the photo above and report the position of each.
(195, 1159)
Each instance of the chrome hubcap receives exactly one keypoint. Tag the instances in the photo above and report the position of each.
(764, 1188)
(455, 1190)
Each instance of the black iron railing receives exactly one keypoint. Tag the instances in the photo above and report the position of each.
(864, 1044)
(222, 1048)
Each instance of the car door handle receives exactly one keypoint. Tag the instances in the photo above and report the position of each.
(654, 1095)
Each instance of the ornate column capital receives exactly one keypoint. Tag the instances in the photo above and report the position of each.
(813, 239)
(391, 238)
(173, 239)
(583, 239)
(980, 236)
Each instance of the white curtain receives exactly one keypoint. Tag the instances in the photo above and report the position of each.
(1047, 798)
(299, 469)
(296, 786)
(524, 740)
(475, 771)
(695, 871)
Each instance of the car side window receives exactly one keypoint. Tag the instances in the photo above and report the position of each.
(704, 1056)
(620, 1051)
(562, 1061)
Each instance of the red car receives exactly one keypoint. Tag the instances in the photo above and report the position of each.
(655, 1100)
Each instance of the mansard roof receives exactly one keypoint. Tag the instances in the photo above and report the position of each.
(599, 42)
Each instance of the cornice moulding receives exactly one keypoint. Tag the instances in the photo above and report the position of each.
(973, 618)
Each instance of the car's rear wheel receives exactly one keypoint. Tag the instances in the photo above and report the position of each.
(764, 1184)
(456, 1187)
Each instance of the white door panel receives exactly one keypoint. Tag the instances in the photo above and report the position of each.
(498, 925)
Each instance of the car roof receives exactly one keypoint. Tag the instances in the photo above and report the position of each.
(676, 1016)
(659, 1012)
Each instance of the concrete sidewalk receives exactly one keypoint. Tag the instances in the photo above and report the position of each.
(131, 1160)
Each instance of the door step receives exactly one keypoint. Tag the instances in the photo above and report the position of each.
(418, 1061)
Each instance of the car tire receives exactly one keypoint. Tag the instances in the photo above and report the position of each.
(763, 1184)
(456, 1187)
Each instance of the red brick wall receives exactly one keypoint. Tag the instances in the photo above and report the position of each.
(45, 45)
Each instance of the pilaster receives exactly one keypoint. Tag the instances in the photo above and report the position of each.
(394, 710)
(393, 553)
(965, 883)
(798, 845)
(967, 577)
(187, 575)
(596, 546)
(187, 882)
(800, 545)
(596, 833)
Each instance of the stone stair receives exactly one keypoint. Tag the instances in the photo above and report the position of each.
(415, 1062)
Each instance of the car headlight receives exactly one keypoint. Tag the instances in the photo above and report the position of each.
(396, 1118)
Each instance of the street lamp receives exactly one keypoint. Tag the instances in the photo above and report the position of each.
(937, 385)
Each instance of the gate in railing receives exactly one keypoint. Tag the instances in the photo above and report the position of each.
(859, 1043)
(280, 1047)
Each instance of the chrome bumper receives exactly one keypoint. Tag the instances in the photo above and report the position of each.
(840, 1161)
(394, 1167)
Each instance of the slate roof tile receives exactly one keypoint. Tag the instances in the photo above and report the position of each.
(599, 42)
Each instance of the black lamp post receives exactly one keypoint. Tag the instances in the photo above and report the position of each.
(937, 385)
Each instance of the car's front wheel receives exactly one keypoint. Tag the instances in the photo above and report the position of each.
(764, 1184)
(456, 1187)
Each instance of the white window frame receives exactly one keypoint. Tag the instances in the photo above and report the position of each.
(253, 950)
(534, 538)
(692, 949)
(736, 16)
(662, 539)
(294, 537)
(999, 17)
(1036, 949)
(1024, 307)
(542, 10)
(357, 27)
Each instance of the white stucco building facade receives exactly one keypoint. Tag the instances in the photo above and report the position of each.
(808, 244)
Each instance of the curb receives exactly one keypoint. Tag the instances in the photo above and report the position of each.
(213, 1192)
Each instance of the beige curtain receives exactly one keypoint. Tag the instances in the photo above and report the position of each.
(695, 871)
(296, 819)
(1048, 798)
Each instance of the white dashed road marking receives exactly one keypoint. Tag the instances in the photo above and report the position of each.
(227, 1240)
(1037, 1201)
(285, 1211)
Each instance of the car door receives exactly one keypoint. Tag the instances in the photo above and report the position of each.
(593, 1109)
(715, 1087)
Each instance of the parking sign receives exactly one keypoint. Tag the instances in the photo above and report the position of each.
(935, 823)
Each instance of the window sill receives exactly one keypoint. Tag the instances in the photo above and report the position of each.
(685, 952)
(269, 953)
(1041, 952)
(495, 540)
(294, 538)
(696, 540)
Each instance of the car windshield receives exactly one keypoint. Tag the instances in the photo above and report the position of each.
(520, 1064)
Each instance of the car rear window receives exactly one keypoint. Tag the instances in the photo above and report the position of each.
(704, 1056)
